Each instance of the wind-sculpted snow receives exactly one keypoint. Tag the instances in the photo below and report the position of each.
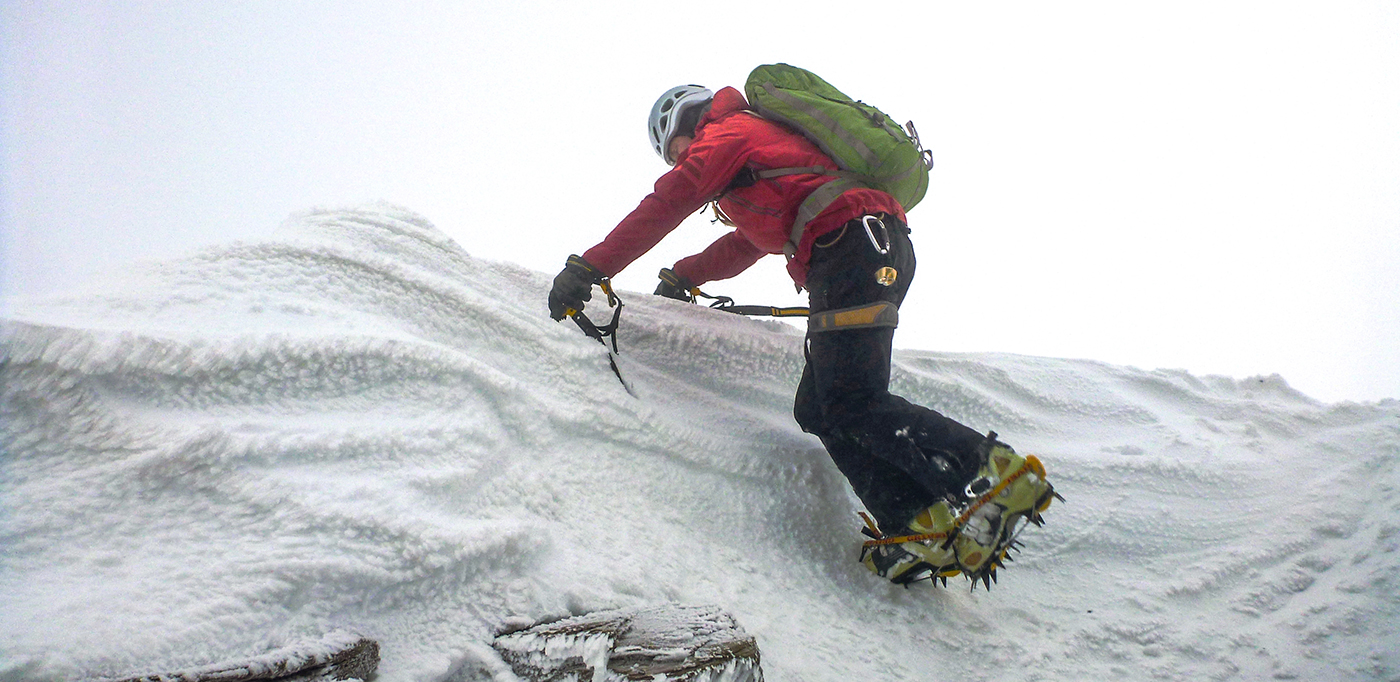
(358, 426)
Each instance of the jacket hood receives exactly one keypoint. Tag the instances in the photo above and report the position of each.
(726, 102)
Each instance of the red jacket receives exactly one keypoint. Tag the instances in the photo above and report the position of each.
(727, 140)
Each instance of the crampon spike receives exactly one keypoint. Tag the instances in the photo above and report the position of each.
(871, 529)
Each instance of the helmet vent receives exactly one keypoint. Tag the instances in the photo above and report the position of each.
(673, 109)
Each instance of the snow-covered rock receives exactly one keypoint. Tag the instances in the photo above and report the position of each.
(667, 642)
(338, 655)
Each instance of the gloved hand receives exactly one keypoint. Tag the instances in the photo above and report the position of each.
(572, 286)
(674, 286)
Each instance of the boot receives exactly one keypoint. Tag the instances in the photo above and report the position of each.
(971, 531)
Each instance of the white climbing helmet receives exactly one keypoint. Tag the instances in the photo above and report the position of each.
(666, 115)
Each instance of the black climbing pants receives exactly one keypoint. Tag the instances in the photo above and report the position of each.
(899, 457)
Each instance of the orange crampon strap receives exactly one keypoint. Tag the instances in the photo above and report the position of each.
(1031, 464)
(900, 539)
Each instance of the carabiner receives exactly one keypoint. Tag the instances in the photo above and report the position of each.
(866, 221)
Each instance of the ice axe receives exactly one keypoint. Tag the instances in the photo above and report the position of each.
(606, 332)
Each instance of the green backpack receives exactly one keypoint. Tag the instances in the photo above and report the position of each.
(870, 148)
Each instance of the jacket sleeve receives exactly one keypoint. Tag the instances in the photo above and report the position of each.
(726, 257)
(700, 174)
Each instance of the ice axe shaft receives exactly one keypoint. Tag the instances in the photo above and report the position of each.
(601, 334)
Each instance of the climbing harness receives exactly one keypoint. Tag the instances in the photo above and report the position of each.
(877, 314)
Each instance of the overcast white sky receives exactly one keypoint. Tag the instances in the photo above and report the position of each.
(1212, 186)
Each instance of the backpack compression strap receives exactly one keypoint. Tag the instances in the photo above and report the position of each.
(825, 121)
(817, 201)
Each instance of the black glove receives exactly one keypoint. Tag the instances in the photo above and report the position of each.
(674, 286)
(572, 286)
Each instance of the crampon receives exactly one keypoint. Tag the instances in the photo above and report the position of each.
(973, 536)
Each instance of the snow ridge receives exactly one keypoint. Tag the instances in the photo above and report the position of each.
(359, 426)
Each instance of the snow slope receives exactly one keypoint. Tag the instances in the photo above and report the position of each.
(357, 425)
